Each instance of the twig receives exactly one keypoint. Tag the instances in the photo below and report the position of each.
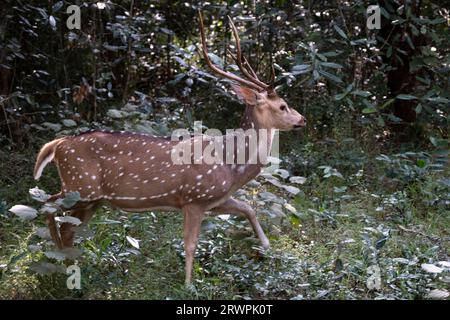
(2, 103)
(434, 238)
(129, 49)
(94, 76)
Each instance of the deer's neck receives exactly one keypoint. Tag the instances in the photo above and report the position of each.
(250, 120)
(264, 137)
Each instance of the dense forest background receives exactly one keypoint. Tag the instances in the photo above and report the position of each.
(360, 208)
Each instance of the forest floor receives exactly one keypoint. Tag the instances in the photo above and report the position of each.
(357, 236)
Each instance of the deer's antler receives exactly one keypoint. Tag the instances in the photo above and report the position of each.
(251, 79)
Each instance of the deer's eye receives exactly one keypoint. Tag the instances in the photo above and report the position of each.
(283, 107)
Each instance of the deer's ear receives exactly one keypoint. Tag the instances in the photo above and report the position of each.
(248, 95)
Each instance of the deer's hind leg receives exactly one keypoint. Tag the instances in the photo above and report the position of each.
(193, 216)
(240, 207)
(50, 220)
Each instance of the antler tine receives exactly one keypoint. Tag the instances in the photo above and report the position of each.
(245, 71)
(246, 64)
(271, 88)
(218, 70)
(249, 68)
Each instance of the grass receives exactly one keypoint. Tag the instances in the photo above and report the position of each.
(327, 249)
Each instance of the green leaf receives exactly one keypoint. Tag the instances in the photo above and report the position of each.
(331, 65)
(38, 194)
(361, 93)
(389, 52)
(70, 199)
(43, 233)
(321, 56)
(291, 189)
(438, 100)
(300, 69)
(384, 13)
(342, 95)
(24, 212)
(316, 75)
(421, 163)
(295, 221)
(46, 268)
(71, 253)
(57, 6)
(69, 219)
(419, 108)
(438, 20)
(409, 41)
(69, 123)
(49, 208)
(331, 53)
(166, 31)
(216, 59)
(18, 257)
(55, 255)
(438, 142)
(340, 31)
(406, 97)
(384, 105)
(330, 76)
(369, 110)
(381, 242)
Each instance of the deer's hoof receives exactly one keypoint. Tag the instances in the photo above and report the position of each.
(265, 244)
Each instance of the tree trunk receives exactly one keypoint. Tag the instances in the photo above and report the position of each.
(400, 80)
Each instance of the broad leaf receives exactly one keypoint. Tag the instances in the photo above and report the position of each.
(70, 199)
(297, 179)
(39, 195)
(46, 268)
(438, 294)
(340, 31)
(43, 233)
(431, 268)
(24, 212)
(291, 189)
(330, 76)
(68, 219)
(406, 97)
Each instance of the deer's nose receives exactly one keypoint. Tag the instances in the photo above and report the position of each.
(301, 122)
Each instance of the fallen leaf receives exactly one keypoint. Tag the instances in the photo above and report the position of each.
(297, 179)
(134, 242)
(374, 280)
(290, 208)
(438, 294)
(445, 264)
(80, 94)
(431, 268)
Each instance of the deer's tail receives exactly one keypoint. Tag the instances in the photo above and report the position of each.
(45, 156)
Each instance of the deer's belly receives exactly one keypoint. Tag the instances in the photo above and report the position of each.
(159, 208)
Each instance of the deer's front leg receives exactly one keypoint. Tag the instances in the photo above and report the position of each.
(193, 217)
(240, 207)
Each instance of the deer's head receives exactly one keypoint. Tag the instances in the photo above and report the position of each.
(267, 108)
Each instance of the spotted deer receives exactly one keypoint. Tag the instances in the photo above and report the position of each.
(135, 172)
